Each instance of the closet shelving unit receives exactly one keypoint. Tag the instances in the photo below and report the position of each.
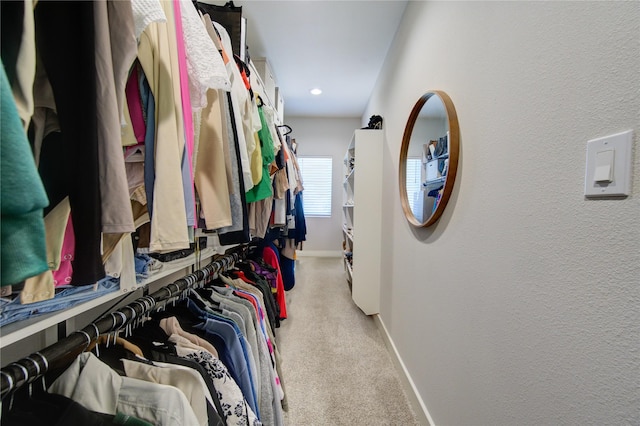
(347, 211)
(439, 179)
(47, 323)
(362, 209)
(434, 174)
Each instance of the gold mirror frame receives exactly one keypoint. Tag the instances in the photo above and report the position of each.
(454, 152)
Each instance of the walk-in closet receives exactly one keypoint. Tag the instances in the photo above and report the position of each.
(151, 216)
(319, 213)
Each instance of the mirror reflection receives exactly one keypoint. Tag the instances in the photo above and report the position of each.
(428, 150)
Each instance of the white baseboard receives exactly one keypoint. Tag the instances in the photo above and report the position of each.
(318, 253)
(424, 418)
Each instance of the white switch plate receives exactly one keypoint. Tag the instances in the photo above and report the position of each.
(622, 162)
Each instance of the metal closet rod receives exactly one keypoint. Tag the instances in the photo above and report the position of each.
(61, 354)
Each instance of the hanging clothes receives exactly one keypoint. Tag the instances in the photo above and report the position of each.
(186, 114)
(288, 263)
(23, 245)
(157, 55)
(271, 258)
(240, 104)
(156, 145)
(19, 54)
(263, 189)
(239, 231)
(58, 410)
(210, 173)
(98, 388)
(185, 380)
(65, 37)
(205, 66)
(299, 233)
(216, 352)
(234, 353)
(60, 249)
(227, 396)
(115, 51)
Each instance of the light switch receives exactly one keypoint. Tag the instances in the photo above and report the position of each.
(608, 168)
(604, 166)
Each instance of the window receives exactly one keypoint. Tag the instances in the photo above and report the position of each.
(413, 185)
(316, 178)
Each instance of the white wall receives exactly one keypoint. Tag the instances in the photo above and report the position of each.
(521, 306)
(325, 137)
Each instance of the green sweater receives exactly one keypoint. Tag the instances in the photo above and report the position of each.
(22, 198)
(263, 189)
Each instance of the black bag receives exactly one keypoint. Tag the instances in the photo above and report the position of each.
(230, 17)
(375, 122)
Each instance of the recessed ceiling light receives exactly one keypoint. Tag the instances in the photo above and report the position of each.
(316, 91)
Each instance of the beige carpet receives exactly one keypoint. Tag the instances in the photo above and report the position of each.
(336, 367)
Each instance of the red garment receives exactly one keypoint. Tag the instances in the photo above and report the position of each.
(243, 277)
(271, 258)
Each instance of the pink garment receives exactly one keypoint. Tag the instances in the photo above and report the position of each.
(134, 102)
(65, 272)
(185, 95)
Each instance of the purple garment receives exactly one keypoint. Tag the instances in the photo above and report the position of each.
(271, 277)
(64, 273)
(134, 102)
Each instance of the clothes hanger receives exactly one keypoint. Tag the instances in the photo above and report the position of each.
(206, 294)
(106, 339)
(103, 339)
(286, 126)
(202, 298)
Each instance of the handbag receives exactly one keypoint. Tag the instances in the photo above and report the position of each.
(230, 17)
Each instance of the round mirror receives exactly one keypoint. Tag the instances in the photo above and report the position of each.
(429, 158)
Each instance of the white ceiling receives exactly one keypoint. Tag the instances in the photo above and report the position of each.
(338, 46)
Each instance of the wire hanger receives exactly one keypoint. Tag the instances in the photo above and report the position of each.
(286, 126)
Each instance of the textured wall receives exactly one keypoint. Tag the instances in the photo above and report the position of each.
(325, 137)
(521, 305)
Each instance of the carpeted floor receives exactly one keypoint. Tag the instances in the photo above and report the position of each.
(336, 367)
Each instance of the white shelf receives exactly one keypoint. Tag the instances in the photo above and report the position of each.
(169, 268)
(362, 185)
(19, 330)
(13, 332)
(349, 269)
(437, 180)
(350, 175)
(349, 235)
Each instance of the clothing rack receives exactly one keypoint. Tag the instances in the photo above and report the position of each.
(61, 354)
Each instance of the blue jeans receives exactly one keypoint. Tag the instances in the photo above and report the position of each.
(142, 266)
(15, 311)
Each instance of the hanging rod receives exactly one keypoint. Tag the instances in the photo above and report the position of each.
(61, 354)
